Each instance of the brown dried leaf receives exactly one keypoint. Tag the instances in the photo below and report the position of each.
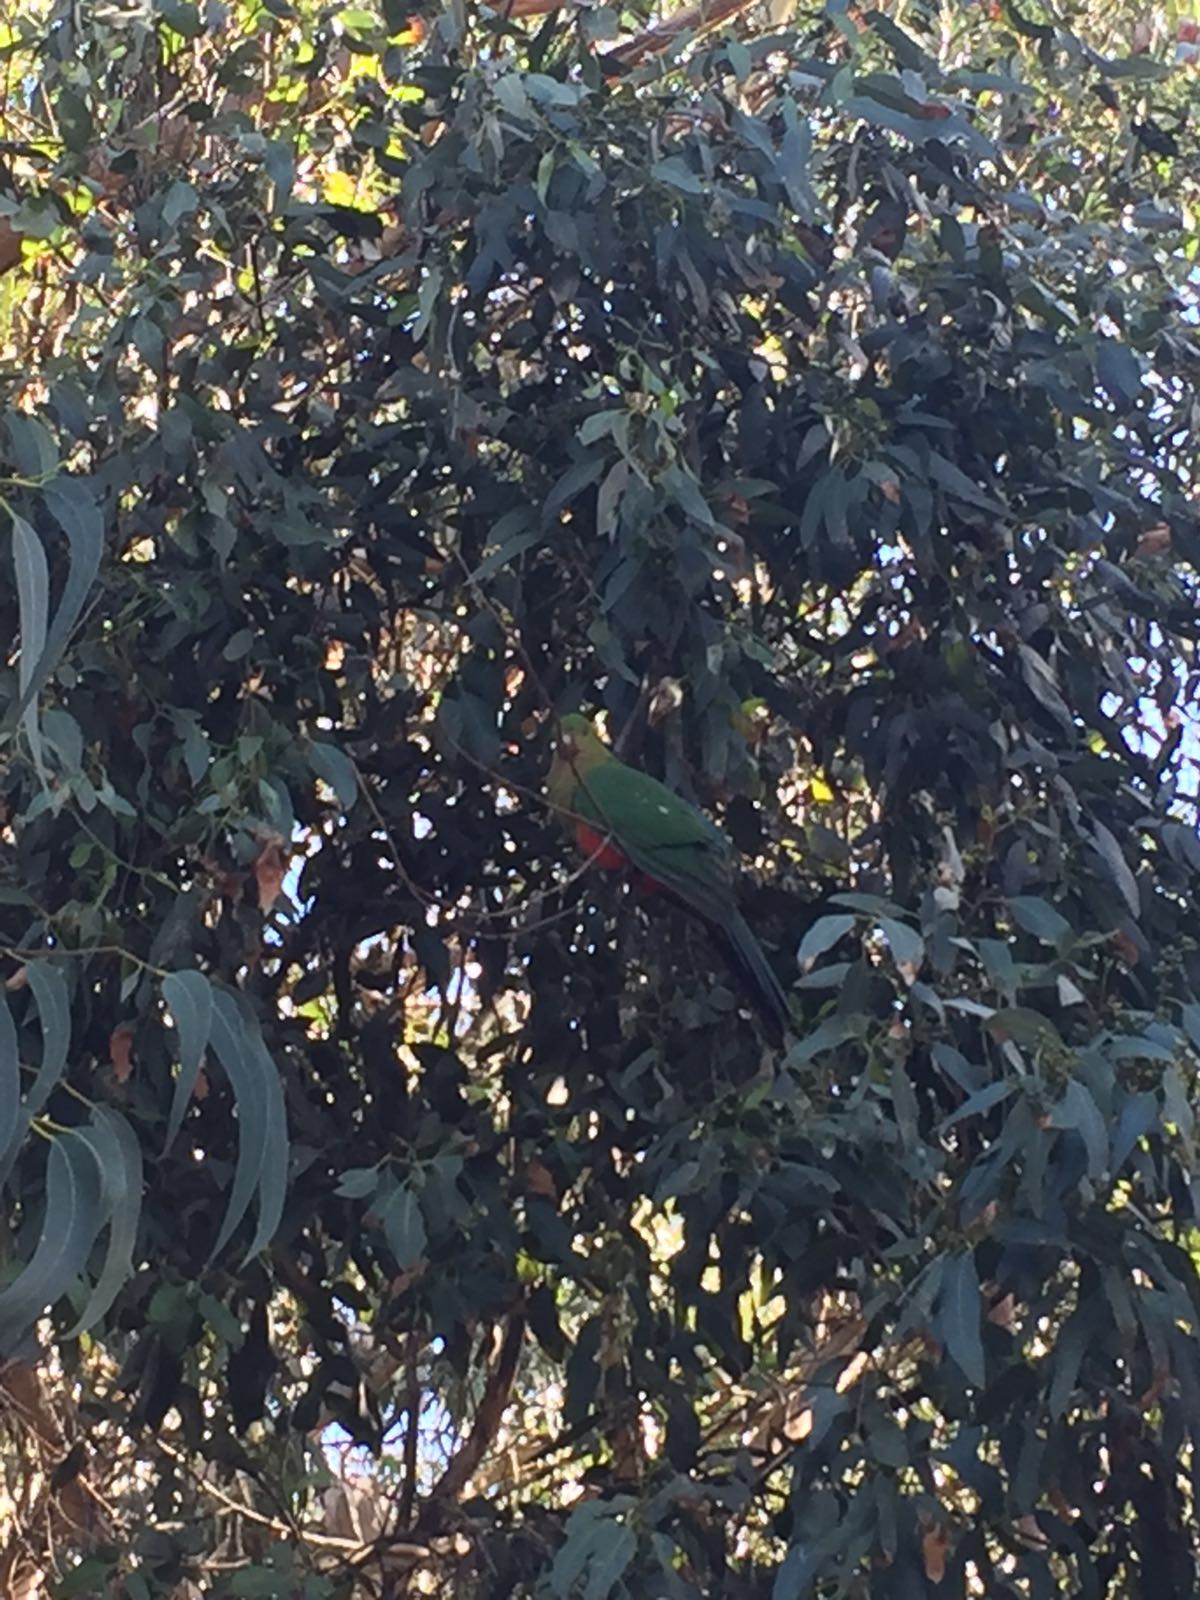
(403, 1281)
(100, 172)
(228, 884)
(120, 1050)
(1061, 1505)
(270, 867)
(1029, 1531)
(1155, 541)
(733, 556)
(538, 1180)
(10, 245)
(934, 1547)
(1003, 1313)
(1159, 1378)
(911, 631)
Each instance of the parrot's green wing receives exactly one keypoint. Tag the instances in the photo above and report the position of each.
(676, 845)
(662, 834)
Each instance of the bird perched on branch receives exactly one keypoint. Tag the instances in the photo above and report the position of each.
(625, 820)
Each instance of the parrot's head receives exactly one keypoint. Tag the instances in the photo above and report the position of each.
(578, 742)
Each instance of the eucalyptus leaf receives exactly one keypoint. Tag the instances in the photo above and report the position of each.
(336, 769)
(609, 1564)
(959, 1316)
(189, 999)
(1077, 1109)
(233, 1037)
(1114, 859)
(49, 990)
(357, 1183)
(73, 1218)
(1119, 372)
(33, 447)
(33, 609)
(273, 1178)
(72, 503)
(822, 936)
(673, 170)
(10, 1079)
(404, 1227)
(905, 943)
(119, 1158)
(1038, 917)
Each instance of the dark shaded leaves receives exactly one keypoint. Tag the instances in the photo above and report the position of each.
(959, 1316)
(73, 1218)
(119, 1158)
(189, 999)
(261, 1168)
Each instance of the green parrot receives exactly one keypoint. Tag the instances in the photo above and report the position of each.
(624, 819)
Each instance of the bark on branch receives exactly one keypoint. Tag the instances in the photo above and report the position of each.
(652, 41)
(491, 1410)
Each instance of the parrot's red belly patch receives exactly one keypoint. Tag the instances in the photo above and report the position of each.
(601, 851)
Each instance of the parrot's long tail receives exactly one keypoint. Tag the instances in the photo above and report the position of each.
(712, 904)
(746, 955)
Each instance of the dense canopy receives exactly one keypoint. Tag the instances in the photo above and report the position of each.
(392, 1205)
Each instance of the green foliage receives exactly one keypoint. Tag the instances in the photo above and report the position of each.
(819, 405)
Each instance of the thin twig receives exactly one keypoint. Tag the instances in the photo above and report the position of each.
(353, 1548)
(412, 1415)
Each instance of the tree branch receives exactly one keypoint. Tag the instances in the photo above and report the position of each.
(491, 1409)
